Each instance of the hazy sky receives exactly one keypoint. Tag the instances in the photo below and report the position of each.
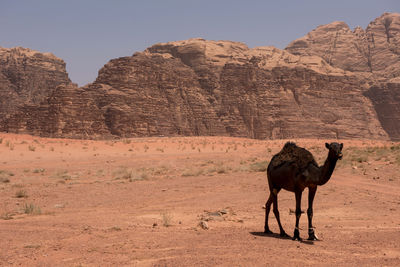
(88, 33)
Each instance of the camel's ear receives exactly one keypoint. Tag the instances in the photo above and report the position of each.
(327, 145)
(341, 146)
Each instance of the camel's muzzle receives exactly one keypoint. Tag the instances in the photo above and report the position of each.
(340, 156)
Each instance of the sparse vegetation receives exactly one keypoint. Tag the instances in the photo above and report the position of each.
(126, 141)
(31, 209)
(166, 219)
(115, 228)
(21, 194)
(10, 145)
(130, 174)
(260, 166)
(63, 174)
(39, 170)
(192, 172)
(6, 216)
(4, 179)
(4, 176)
(31, 148)
(356, 155)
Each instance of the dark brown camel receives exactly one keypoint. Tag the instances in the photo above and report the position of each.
(294, 169)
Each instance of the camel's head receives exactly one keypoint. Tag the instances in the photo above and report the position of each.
(335, 149)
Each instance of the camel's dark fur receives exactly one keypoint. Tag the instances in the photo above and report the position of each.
(294, 169)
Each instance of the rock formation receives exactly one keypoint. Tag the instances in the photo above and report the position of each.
(27, 76)
(328, 84)
(68, 111)
(374, 51)
(372, 54)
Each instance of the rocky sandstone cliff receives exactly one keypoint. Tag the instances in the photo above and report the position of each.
(200, 87)
(374, 51)
(372, 54)
(27, 77)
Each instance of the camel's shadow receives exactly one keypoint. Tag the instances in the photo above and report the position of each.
(276, 235)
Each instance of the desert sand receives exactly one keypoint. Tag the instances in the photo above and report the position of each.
(189, 201)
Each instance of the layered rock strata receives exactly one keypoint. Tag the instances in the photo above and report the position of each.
(27, 77)
(372, 54)
(331, 83)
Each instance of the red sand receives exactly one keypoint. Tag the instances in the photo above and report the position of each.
(138, 202)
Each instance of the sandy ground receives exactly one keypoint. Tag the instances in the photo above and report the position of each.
(139, 202)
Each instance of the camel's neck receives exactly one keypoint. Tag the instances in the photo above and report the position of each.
(327, 170)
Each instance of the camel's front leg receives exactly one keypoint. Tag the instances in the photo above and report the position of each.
(296, 235)
(311, 194)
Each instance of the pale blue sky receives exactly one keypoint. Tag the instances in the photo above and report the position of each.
(88, 33)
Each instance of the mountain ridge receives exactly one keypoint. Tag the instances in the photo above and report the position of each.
(198, 87)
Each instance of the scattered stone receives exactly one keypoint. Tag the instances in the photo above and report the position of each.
(203, 225)
(223, 211)
(215, 213)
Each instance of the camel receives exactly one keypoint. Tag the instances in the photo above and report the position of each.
(294, 169)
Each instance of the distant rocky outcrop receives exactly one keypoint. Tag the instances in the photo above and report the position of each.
(374, 51)
(372, 54)
(68, 111)
(323, 85)
(27, 77)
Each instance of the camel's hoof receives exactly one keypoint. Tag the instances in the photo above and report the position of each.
(313, 237)
(296, 235)
(268, 232)
(283, 234)
(297, 238)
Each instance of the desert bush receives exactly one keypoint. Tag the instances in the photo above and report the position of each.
(4, 179)
(192, 172)
(260, 166)
(4, 176)
(131, 174)
(126, 141)
(6, 216)
(166, 219)
(21, 194)
(31, 148)
(63, 174)
(31, 209)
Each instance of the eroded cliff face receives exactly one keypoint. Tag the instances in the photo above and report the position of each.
(319, 87)
(199, 87)
(27, 77)
(68, 112)
(372, 54)
(386, 99)
(374, 51)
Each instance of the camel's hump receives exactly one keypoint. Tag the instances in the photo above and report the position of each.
(293, 153)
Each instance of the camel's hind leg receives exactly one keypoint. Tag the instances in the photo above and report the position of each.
(267, 209)
(311, 195)
(276, 212)
(296, 235)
